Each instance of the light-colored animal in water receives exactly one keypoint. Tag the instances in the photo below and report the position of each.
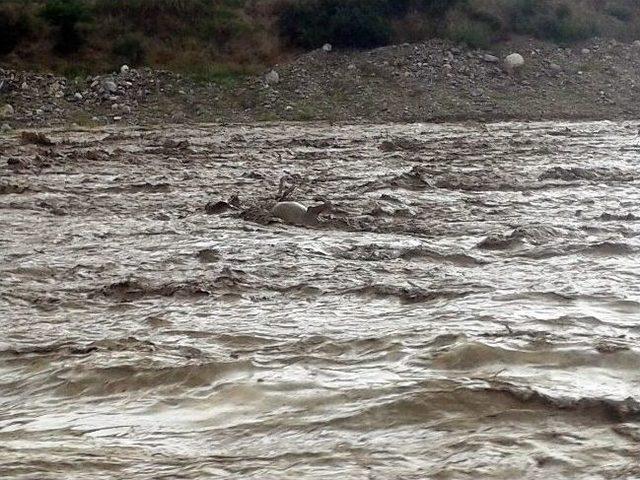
(297, 214)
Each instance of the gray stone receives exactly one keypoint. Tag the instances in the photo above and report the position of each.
(78, 96)
(586, 51)
(327, 47)
(272, 77)
(5, 128)
(110, 86)
(124, 69)
(6, 111)
(490, 58)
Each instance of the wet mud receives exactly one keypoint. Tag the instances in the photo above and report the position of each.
(467, 308)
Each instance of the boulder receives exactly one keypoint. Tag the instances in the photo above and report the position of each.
(272, 77)
(110, 86)
(6, 111)
(513, 62)
(327, 47)
(124, 69)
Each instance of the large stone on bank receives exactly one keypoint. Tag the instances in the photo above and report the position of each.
(110, 86)
(6, 111)
(272, 77)
(555, 68)
(513, 62)
(327, 47)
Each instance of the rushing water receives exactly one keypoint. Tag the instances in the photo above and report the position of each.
(469, 309)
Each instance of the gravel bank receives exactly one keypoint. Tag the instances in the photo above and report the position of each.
(431, 81)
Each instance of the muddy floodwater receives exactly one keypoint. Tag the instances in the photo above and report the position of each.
(470, 307)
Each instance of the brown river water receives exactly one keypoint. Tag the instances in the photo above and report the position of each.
(469, 309)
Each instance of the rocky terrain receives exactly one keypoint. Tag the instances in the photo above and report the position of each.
(431, 81)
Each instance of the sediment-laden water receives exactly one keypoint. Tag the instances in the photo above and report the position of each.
(469, 309)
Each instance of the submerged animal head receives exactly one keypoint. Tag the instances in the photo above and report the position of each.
(318, 209)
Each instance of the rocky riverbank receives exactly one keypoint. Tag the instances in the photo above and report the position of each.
(431, 81)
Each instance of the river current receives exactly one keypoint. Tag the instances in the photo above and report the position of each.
(470, 308)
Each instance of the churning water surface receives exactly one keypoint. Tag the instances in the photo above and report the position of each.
(469, 309)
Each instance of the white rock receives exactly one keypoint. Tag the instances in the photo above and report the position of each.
(124, 69)
(39, 112)
(6, 111)
(586, 51)
(327, 47)
(490, 58)
(513, 62)
(636, 43)
(78, 96)
(24, 86)
(288, 108)
(272, 77)
(117, 119)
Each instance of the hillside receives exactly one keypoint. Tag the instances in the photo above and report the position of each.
(429, 81)
(406, 60)
(221, 40)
